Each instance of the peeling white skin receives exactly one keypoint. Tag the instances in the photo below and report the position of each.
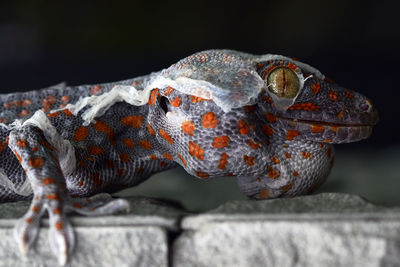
(24, 189)
(225, 96)
(66, 152)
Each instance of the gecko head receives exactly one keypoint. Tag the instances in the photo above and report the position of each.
(304, 103)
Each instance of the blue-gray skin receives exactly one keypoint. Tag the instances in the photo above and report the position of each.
(270, 121)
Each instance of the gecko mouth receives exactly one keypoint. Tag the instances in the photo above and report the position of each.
(329, 132)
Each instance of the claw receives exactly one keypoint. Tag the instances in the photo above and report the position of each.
(61, 238)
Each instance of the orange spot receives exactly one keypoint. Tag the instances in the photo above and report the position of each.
(321, 145)
(95, 90)
(334, 128)
(333, 95)
(103, 127)
(24, 113)
(287, 187)
(288, 155)
(153, 96)
(95, 150)
(47, 181)
(124, 157)
(202, 174)
(96, 178)
(275, 160)
(35, 208)
(65, 99)
(223, 161)
(243, 127)
(253, 145)
(270, 117)
(196, 151)
(196, 99)
(188, 127)
(48, 102)
(182, 159)
(168, 90)
(264, 194)
(77, 205)
(316, 87)
(166, 136)
(36, 162)
(268, 130)
(145, 144)
(349, 95)
(29, 220)
(52, 197)
(340, 114)
(120, 172)
(67, 112)
(291, 134)
(315, 128)
(306, 154)
(249, 160)
(295, 173)
(53, 115)
(308, 106)
(128, 142)
(46, 144)
(81, 133)
(327, 141)
(59, 226)
(220, 141)
(249, 109)
(57, 211)
(272, 173)
(176, 102)
(292, 66)
(209, 120)
(150, 129)
(22, 143)
(132, 121)
(17, 155)
(153, 157)
(34, 149)
(26, 102)
(168, 156)
(109, 164)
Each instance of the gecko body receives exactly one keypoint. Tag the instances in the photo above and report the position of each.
(270, 121)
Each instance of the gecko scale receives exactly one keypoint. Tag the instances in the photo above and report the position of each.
(269, 121)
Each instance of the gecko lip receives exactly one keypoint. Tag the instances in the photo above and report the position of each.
(323, 123)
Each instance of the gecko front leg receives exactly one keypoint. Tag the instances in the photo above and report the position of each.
(40, 162)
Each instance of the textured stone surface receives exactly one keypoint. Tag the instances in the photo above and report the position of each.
(329, 229)
(321, 230)
(139, 238)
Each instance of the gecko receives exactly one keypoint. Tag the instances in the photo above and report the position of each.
(269, 121)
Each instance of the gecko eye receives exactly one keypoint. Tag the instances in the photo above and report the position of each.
(164, 104)
(283, 82)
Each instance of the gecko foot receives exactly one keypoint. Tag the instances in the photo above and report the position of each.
(61, 234)
(100, 204)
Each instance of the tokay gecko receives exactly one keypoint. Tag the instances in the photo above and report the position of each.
(269, 121)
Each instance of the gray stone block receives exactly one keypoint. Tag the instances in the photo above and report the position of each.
(138, 238)
(321, 230)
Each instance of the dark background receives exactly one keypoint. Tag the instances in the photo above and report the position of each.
(354, 42)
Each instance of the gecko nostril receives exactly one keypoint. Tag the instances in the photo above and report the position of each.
(164, 104)
(366, 105)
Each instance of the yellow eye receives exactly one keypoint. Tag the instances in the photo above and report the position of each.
(283, 82)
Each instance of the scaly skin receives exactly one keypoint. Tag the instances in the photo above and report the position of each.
(275, 148)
